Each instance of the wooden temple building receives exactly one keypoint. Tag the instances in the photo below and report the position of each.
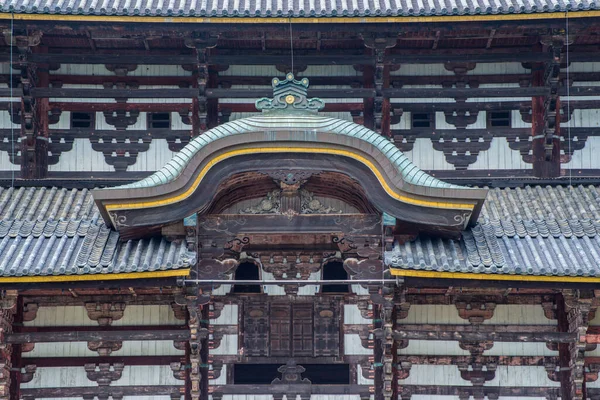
(330, 200)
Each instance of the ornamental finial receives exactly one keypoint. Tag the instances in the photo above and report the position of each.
(289, 94)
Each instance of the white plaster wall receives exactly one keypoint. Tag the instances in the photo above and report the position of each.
(445, 375)
(433, 314)
(519, 315)
(100, 69)
(229, 316)
(424, 156)
(352, 315)
(229, 346)
(80, 349)
(76, 376)
(310, 290)
(353, 346)
(360, 379)
(433, 348)
(500, 156)
(222, 380)
(586, 157)
(519, 376)
(133, 315)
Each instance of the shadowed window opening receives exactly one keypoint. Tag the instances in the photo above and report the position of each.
(247, 271)
(82, 120)
(318, 374)
(422, 120)
(159, 120)
(499, 119)
(334, 270)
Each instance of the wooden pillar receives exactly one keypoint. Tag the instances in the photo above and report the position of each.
(381, 105)
(34, 114)
(573, 311)
(368, 72)
(201, 43)
(8, 307)
(546, 114)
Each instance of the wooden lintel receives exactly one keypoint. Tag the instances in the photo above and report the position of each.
(527, 329)
(532, 391)
(81, 361)
(466, 360)
(91, 391)
(291, 388)
(558, 337)
(89, 336)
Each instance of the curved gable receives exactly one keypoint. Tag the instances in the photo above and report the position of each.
(290, 135)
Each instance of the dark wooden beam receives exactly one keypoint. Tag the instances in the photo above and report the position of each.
(527, 329)
(109, 328)
(92, 336)
(43, 362)
(558, 337)
(533, 391)
(100, 391)
(217, 93)
(291, 388)
(530, 361)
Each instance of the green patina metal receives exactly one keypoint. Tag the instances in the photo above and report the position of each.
(291, 110)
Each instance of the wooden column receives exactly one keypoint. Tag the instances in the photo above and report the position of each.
(8, 307)
(34, 114)
(201, 43)
(546, 113)
(381, 105)
(368, 72)
(573, 311)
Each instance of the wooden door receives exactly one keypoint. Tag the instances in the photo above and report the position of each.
(280, 330)
(302, 319)
(256, 330)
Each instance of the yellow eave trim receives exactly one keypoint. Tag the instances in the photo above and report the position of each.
(233, 153)
(491, 277)
(298, 20)
(96, 277)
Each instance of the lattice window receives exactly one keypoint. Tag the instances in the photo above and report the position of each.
(82, 120)
(499, 119)
(159, 120)
(422, 120)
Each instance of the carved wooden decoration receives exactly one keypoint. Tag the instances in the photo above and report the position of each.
(475, 311)
(105, 348)
(27, 373)
(291, 374)
(105, 313)
(121, 149)
(30, 312)
(178, 369)
(104, 374)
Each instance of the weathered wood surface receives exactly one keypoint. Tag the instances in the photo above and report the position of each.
(502, 391)
(558, 337)
(89, 336)
(116, 391)
(291, 388)
(42, 362)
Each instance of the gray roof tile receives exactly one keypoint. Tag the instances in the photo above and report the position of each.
(50, 231)
(526, 231)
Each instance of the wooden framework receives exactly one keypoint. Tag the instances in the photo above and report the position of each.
(383, 318)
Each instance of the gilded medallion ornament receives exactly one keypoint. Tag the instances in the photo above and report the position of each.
(289, 94)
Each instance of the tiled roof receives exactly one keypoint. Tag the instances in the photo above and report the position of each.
(50, 231)
(531, 231)
(292, 8)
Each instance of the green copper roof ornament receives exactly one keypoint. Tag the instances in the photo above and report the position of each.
(289, 94)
